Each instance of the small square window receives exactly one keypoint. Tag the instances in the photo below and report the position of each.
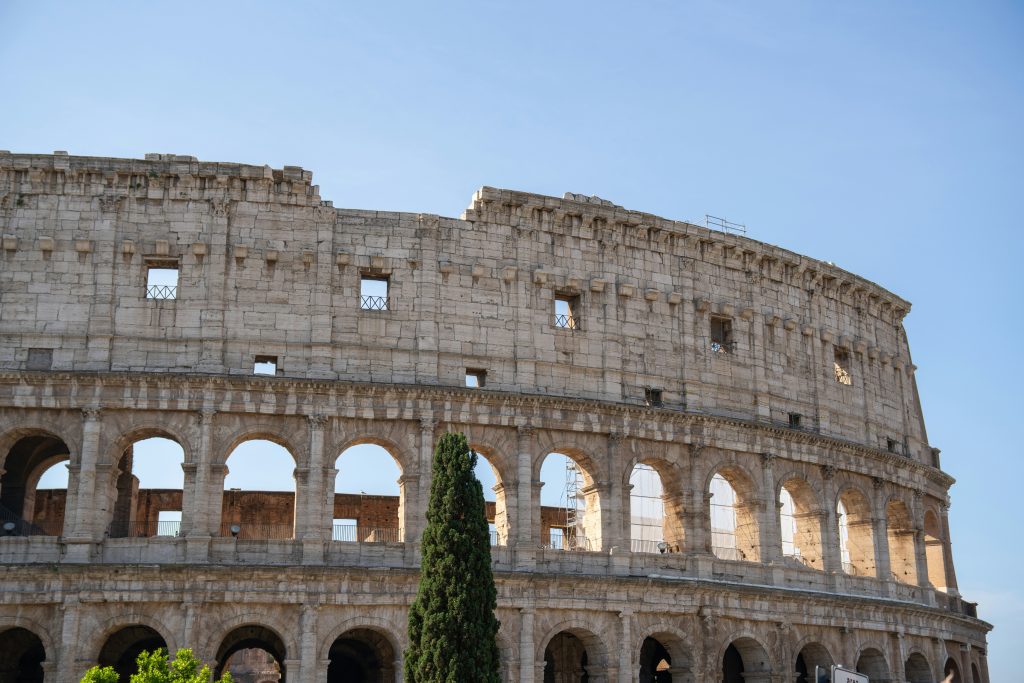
(162, 282)
(795, 420)
(567, 312)
(721, 335)
(265, 365)
(842, 366)
(373, 293)
(40, 359)
(890, 445)
(475, 378)
(652, 397)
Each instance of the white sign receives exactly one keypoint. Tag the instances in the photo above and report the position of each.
(841, 675)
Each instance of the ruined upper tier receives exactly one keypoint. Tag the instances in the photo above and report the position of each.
(265, 268)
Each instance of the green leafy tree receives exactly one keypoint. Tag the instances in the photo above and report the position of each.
(452, 628)
(154, 668)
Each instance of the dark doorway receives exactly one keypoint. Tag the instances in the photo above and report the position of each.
(565, 660)
(732, 666)
(361, 656)
(21, 656)
(124, 646)
(655, 662)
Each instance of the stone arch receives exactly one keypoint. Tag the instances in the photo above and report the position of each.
(975, 674)
(951, 671)
(935, 550)
(807, 514)
(746, 651)
(871, 661)
(260, 432)
(746, 534)
(902, 541)
(811, 653)
(134, 617)
(405, 460)
(399, 524)
(364, 654)
(917, 669)
(587, 534)
(857, 550)
(499, 446)
(671, 477)
(247, 509)
(675, 644)
(27, 453)
(122, 645)
(395, 634)
(122, 485)
(248, 631)
(570, 649)
(19, 655)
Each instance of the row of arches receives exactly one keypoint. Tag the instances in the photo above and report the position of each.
(255, 653)
(259, 498)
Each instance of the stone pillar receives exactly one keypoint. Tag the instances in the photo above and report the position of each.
(293, 670)
(947, 553)
(696, 507)
(762, 403)
(676, 523)
(769, 520)
(196, 504)
(898, 658)
(527, 648)
(85, 515)
(611, 496)
(526, 533)
(416, 498)
(67, 657)
(310, 639)
(880, 534)
(626, 664)
(310, 525)
(831, 555)
(920, 552)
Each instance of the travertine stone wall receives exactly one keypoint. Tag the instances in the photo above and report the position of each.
(269, 269)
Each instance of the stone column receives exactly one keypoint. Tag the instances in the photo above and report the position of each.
(67, 657)
(197, 507)
(898, 658)
(696, 507)
(880, 535)
(84, 517)
(947, 553)
(626, 664)
(920, 552)
(310, 639)
(527, 532)
(416, 498)
(769, 520)
(527, 648)
(612, 497)
(831, 555)
(310, 524)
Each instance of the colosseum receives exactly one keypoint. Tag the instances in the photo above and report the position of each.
(759, 405)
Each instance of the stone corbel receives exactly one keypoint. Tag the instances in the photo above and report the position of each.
(675, 298)
(651, 294)
(626, 290)
(509, 274)
(597, 285)
(540, 277)
(342, 259)
(747, 313)
(46, 244)
(702, 305)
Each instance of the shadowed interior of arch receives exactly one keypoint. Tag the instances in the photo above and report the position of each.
(21, 656)
(33, 486)
(122, 648)
(871, 663)
(148, 490)
(259, 492)
(252, 653)
(917, 669)
(810, 657)
(361, 655)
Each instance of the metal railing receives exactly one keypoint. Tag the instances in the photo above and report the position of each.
(638, 545)
(354, 533)
(723, 346)
(148, 529)
(246, 531)
(575, 542)
(12, 524)
(722, 553)
(161, 292)
(374, 303)
(567, 322)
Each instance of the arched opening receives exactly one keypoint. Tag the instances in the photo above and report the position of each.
(494, 499)
(361, 656)
(901, 543)
(935, 551)
(655, 662)
(811, 657)
(734, 530)
(368, 496)
(259, 492)
(917, 669)
(654, 524)
(571, 657)
(951, 672)
(872, 664)
(252, 654)
(975, 674)
(21, 656)
(745, 660)
(31, 505)
(150, 481)
(800, 523)
(856, 540)
(123, 646)
(570, 516)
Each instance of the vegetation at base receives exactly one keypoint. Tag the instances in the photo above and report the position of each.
(452, 628)
(154, 668)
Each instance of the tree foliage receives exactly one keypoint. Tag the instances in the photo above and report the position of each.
(452, 628)
(154, 667)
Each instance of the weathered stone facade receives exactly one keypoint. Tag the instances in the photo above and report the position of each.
(691, 350)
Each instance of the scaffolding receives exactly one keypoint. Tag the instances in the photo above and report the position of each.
(574, 535)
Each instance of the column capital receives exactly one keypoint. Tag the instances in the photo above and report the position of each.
(92, 413)
(428, 423)
(767, 460)
(205, 416)
(526, 430)
(877, 483)
(317, 422)
(695, 449)
(828, 472)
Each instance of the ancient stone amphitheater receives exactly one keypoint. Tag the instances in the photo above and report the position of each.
(803, 513)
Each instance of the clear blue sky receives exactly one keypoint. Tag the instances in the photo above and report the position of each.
(886, 137)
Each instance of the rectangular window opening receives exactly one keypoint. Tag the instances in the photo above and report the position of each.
(842, 366)
(168, 522)
(374, 293)
(557, 538)
(40, 359)
(652, 397)
(721, 335)
(162, 281)
(344, 529)
(567, 312)
(794, 420)
(265, 365)
(475, 379)
(890, 445)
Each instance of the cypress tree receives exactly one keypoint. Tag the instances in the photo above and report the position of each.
(452, 628)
